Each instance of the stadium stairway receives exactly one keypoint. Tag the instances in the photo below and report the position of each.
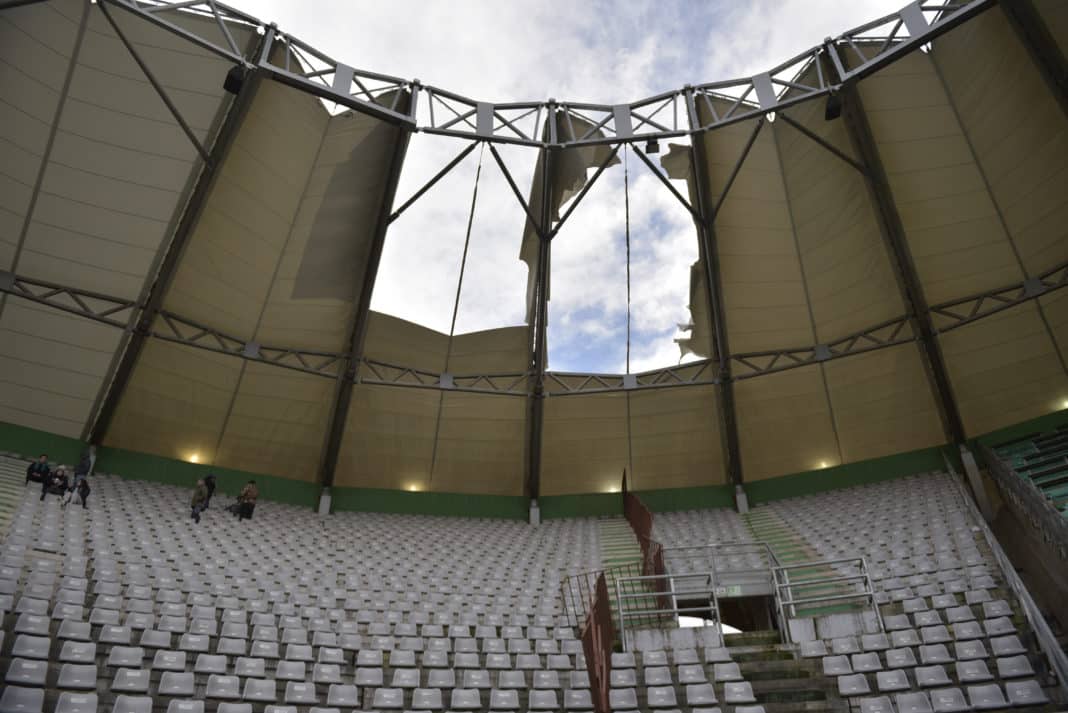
(12, 485)
(791, 548)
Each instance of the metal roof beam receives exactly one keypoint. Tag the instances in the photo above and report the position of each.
(709, 251)
(112, 389)
(350, 374)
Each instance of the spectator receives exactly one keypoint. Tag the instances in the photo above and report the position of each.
(85, 464)
(209, 482)
(246, 501)
(200, 499)
(38, 471)
(55, 484)
(80, 486)
(81, 475)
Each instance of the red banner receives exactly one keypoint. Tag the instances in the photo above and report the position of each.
(598, 636)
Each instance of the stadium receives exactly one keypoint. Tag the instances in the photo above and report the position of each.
(849, 492)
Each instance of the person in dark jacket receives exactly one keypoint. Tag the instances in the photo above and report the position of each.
(209, 483)
(55, 484)
(83, 491)
(200, 499)
(38, 471)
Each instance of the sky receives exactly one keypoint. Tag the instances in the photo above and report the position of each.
(594, 51)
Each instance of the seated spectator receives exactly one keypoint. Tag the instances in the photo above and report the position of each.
(247, 500)
(38, 471)
(55, 484)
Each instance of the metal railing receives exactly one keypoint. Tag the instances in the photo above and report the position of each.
(1047, 641)
(838, 586)
(716, 552)
(1029, 501)
(577, 590)
(649, 609)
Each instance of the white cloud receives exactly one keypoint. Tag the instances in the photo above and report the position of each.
(594, 51)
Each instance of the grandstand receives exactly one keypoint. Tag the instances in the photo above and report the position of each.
(872, 396)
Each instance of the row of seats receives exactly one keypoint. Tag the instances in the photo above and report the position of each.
(952, 638)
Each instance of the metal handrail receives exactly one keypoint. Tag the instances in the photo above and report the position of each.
(675, 610)
(1047, 641)
(784, 586)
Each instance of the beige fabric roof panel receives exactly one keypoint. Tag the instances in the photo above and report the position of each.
(396, 341)
(882, 403)
(675, 438)
(229, 264)
(1003, 368)
(389, 438)
(38, 45)
(784, 423)
(277, 422)
(763, 293)
(322, 267)
(957, 242)
(51, 365)
(1019, 132)
(481, 444)
(850, 278)
(341, 205)
(101, 211)
(584, 444)
(176, 402)
(492, 351)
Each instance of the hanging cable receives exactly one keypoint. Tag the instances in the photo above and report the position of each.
(456, 307)
(626, 213)
(463, 260)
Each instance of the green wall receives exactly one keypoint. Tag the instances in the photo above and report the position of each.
(157, 469)
(30, 443)
(580, 505)
(141, 466)
(512, 507)
(845, 476)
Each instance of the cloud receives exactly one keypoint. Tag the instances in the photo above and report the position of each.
(594, 51)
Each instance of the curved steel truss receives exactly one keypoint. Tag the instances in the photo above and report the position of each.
(168, 326)
(674, 113)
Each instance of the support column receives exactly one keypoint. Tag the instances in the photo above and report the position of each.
(709, 253)
(1041, 45)
(540, 326)
(893, 232)
(111, 392)
(347, 376)
(975, 482)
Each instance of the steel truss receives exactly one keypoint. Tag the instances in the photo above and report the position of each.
(948, 316)
(171, 327)
(114, 311)
(669, 114)
(887, 334)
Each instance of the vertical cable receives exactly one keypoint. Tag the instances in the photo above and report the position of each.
(455, 312)
(626, 216)
(626, 213)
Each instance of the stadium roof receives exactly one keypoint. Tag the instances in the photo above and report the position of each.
(187, 269)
